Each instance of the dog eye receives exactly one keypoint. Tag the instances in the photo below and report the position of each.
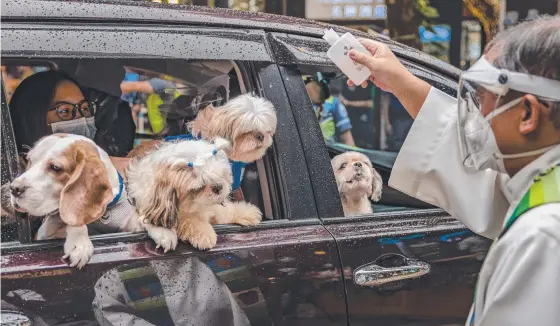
(55, 168)
(342, 166)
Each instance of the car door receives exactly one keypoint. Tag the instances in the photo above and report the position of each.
(284, 271)
(407, 263)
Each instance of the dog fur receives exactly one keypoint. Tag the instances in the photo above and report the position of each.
(175, 200)
(247, 122)
(357, 182)
(69, 180)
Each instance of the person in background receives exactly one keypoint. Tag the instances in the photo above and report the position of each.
(398, 123)
(332, 115)
(132, 85)
(491, 158)
(52, 102)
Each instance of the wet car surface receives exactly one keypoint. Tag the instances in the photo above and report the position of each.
(299, 266)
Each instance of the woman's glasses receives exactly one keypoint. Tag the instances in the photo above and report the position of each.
(67, 111)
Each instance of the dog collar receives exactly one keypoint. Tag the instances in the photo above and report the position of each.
(118, 196)
(182, 137)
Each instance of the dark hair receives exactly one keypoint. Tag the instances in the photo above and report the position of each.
(29, 106)
(532, 48)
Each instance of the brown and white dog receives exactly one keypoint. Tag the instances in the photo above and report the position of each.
(357, 182)
(248, 122)
(71, 181)
(182, 188)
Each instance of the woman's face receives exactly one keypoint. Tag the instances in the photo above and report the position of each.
(66, 96)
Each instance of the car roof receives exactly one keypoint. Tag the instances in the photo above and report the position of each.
(150, 13)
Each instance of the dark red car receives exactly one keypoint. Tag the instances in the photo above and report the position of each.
(306, 264)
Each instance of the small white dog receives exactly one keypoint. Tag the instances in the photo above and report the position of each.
(71, 181)
(182, 188)
(248, 122)
(357, 182)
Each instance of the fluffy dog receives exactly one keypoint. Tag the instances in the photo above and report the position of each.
(182, 188)
(71, 181)
(247, 122)
(357, 180)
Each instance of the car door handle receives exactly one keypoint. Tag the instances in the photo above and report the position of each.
(375, 275)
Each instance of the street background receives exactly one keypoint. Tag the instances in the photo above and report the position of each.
(455, 31)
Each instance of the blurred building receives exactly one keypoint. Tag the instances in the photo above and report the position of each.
(515, 11)
(458, 35)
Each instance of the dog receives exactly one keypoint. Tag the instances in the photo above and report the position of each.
(357, 182)
(182, 188)
(71, 182)
(248, 122)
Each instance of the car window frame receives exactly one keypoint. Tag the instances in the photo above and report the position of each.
(297, 54)
(98, 41)
(10, 151)
(251, 81)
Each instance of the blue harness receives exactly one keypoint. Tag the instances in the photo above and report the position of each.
(237, 168)
(118, 196)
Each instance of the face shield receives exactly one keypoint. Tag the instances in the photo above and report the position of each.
(481, 90)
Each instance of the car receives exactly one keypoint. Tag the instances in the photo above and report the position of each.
(408, 263)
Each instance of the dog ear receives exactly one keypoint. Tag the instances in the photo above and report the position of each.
(202, 121)
(163, 200)
(86, 195)
(376, 185)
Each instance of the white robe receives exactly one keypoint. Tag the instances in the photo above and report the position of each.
(519, 283)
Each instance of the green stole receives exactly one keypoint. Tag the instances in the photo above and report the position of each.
(544, 190)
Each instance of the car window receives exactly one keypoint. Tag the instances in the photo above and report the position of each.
(366, 120)
(155, 98)
(355, 117)
(136, 102)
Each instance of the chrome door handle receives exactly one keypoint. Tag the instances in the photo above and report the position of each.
(375, 275)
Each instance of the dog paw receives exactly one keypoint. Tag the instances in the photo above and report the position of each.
(202, 238)
(248, 215)
(163, 237)
(78, 251)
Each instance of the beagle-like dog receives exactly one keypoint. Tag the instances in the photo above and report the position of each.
(71, 182)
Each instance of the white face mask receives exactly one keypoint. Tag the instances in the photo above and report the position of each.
(82, 126)
(479, 146)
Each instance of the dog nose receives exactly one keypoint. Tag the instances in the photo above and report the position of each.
(17, 189)
(260, 137)
(358, 164)
(217, 189)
